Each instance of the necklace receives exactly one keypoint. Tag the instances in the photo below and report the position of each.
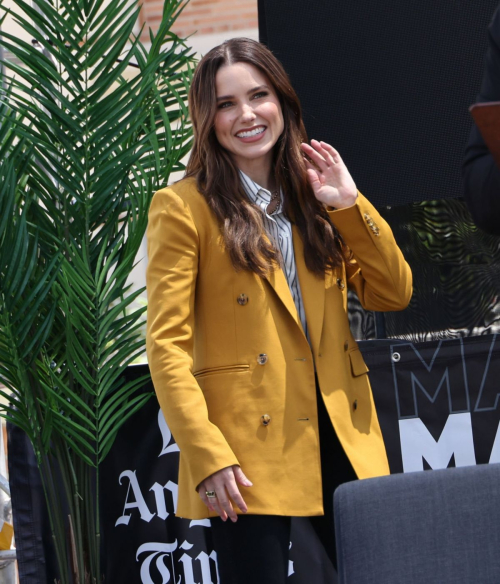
(273, 204)
(274, 195)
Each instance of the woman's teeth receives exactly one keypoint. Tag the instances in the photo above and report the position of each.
(251, 133)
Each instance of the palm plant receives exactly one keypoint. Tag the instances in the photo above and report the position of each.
(82, 149)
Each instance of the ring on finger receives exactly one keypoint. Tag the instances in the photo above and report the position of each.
(211, 494)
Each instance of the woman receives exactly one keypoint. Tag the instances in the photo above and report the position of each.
(254, 365)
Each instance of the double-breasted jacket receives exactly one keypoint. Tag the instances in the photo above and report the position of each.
(232, 368)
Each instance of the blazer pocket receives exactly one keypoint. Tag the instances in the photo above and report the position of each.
(221, 369)
(358, 365)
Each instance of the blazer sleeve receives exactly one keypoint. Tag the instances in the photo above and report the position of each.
(379, 273)
(173, 252)
(480, 173)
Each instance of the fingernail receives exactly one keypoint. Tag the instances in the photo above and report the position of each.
(234, 519)
(249, 484)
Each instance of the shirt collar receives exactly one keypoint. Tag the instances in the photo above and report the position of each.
(257, 194)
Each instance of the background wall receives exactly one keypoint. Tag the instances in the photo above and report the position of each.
(206, 16)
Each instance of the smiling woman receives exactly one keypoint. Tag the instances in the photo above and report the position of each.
(253, 362)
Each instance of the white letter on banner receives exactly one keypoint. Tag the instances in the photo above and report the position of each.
(456, 439)
(160, 551)
(187, 563)
(204, 560)
(139, 502)
(166, 435)
(495, 451)
(200, 522)
(161, 507)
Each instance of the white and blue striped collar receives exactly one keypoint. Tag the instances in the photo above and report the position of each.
(257, 194)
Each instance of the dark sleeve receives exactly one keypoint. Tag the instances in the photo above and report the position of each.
(480, 172)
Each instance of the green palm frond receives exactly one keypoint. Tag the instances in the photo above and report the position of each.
(83, 146)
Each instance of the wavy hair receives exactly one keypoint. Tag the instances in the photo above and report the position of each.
(218, 179)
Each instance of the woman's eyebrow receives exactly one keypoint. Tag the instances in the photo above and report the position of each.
(254, 89)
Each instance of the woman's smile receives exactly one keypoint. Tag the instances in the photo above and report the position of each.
(251, 135)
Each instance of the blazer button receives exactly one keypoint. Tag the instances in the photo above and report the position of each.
(346, 345)
(265, 419)
(340, 284)
(242, 299)
(262, 359)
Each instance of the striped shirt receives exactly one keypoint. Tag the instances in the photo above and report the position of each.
(279, 230)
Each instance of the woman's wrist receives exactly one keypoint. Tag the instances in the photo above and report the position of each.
(343, 203)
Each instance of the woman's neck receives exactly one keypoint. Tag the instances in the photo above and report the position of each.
(259, 173)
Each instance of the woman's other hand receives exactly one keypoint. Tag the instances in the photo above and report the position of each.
(225, 484)
(331, 182)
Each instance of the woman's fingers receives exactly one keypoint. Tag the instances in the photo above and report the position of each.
(315, 156)
(325, 153)
(223, 483)
(224, 503)
(218, 508)
(240, 477)
(332, 152)
(312, 175)
(203, 496)
(234, 492)
(205, 487)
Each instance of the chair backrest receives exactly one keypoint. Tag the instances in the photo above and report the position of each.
(432, 527)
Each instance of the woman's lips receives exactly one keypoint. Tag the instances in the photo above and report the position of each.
(255, 138)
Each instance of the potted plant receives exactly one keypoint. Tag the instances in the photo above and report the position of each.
(82, 150)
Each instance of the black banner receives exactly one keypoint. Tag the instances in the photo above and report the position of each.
(438, 401)
(438, 407)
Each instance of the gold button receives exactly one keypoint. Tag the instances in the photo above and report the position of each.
(340, 284)
(262, 359)
(346, 345)
(242, 299)
(265, 419)
(355, 404)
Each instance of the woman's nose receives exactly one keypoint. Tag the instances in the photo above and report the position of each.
(247, 113)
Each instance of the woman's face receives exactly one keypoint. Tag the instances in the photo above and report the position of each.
(249, 119)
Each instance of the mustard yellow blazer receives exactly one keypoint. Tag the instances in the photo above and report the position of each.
(232, 368)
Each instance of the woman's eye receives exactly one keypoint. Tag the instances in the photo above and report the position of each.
(224, 104)
(260, 94)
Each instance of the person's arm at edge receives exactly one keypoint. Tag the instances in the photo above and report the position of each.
(481, 174)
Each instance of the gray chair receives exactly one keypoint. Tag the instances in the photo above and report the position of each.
(432, 527)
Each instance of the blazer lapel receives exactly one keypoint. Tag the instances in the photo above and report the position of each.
(312, 288)
(278, 281)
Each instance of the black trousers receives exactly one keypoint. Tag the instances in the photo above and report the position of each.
(255, 548)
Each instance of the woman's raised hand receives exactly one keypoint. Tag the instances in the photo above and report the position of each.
(224, 484)
(331, 182)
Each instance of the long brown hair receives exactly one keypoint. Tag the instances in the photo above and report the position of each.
(218, 178)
